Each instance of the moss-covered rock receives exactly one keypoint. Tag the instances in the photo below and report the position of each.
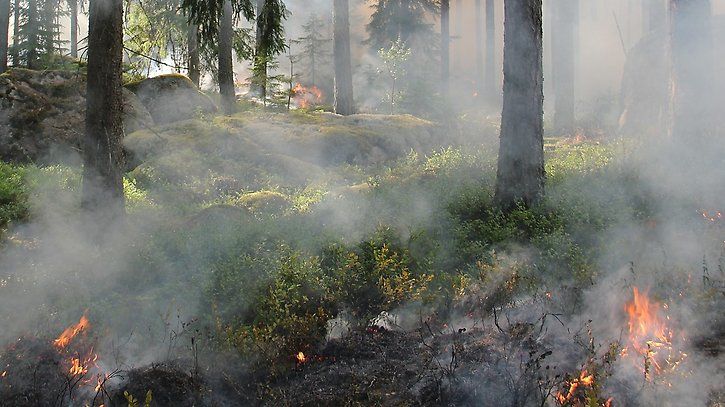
(42, 114)
(262, 150)
(265, 201)
(172, 98)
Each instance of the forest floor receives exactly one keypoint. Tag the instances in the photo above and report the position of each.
(276, 258)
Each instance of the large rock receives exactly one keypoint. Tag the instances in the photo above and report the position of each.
(42, 115)
(172, 98)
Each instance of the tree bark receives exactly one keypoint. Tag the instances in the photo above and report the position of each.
(520, 175)
(564, 40)
(445, 44)
(102, 190)
(32, 40)
(4, 27)
(226, 67)
(16, 24)
(194, 61)
(73, 6)
(692, 71)
(457, 62)
(479, 48)
(259, 81)
(344, 102)
(490, 81)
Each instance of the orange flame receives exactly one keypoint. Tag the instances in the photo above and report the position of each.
(301, 358)
(67, 336)
(649, 336)
(712, 216)
(306, 97)
(570, 397)
(77, 368)
(81, 366)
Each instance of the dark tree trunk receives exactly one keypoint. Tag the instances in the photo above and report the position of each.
(479, 48)
(16, 24)
(564, 39)
(4, 27)
(194, 62)
(692, 70)
(445, 43)
(102, 145)
(226, 67)
(344, 103)
(73, 6)
(490, 81)
(32, 40)
(259, 81)
(520, 175)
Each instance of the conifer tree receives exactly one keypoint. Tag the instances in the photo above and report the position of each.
(315, 47)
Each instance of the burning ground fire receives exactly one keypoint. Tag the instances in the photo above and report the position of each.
(79, 366)
(650, 340)
(51, 371)
(306, 97)
(712, 216)
(67, 336)
(576, 389)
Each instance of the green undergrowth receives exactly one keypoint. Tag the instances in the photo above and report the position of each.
(267, 265)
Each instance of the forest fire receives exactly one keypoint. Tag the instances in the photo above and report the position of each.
(649, 336)
(575, 391)
(301, 357)
(712, 216)
(69, 333)
(307, 97)
(78, 366)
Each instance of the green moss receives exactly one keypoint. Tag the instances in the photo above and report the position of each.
(265, 201)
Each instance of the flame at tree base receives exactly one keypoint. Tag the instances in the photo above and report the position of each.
(307, 97)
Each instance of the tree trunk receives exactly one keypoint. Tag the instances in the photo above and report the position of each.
(4, 27)
(692, 71)
(16, 24)
(445, 44)
(490, 81)
(194, 62)
(32, 40)
(564, 29)
(73, 6)
(479, 48)
(457, 62)
(313, 68)
(226, 67)
(259, 81)
(520, 175)
(103, 158)
(344, 103)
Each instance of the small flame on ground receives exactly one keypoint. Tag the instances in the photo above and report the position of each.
(712, 216)
(649, 336)
(71, 332)
(78, 366)
(571, 397)
(306, 97)
(301, 358)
